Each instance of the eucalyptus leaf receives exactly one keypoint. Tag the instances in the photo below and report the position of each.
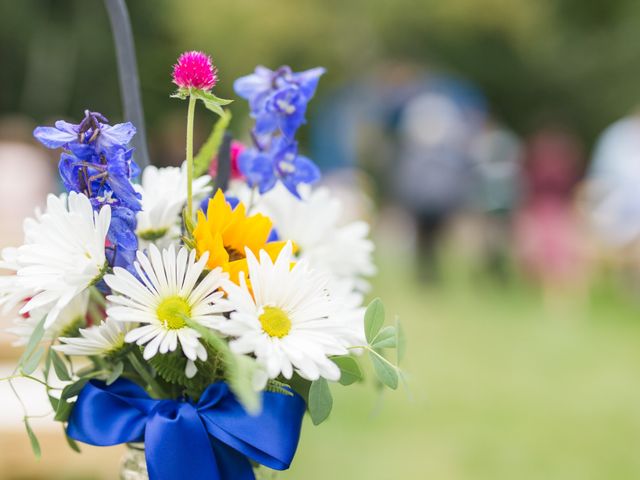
(63, 411)
(385, 372)
(208, 150)
(115, 373)
(59, 366)
(320, 401)
(35, 444)
(373, 319)
(54, 402)
(73, 389)
(30, 365)
(386, 338)
(350, 371)
(34, 341)
(239, 369)
(71, 442)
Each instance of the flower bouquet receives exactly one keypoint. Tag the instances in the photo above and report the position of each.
(194, 315)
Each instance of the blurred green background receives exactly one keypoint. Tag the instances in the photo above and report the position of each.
(512, 379)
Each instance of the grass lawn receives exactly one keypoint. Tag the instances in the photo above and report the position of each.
(501, 388)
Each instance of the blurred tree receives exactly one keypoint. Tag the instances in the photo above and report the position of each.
(565, 59)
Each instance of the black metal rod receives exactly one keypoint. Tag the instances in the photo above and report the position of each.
(128, 75)
(224, 163)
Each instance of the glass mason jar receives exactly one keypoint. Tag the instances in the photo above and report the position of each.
(134, 465)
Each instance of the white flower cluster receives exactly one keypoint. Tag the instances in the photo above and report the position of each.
(291, 309)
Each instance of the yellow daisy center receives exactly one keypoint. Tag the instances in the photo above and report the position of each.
(275, 322)
(172, 312)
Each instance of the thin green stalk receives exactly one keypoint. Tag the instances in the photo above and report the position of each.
(29, 377)
(139, 367)
(190, 115)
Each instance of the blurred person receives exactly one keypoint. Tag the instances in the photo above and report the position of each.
(433, 168)
(611, 197)
(497, 157)
(549, 237)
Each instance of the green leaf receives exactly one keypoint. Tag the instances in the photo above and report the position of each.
(385, 372)
(210, 147)
(34, 341)
(373, 319)
(35, 444)
(59, 366)
(73, 389)
(33, 361)
(63, 411)
(71, 442)
(386, 338)
(320, 401)
(54, 402)
(115, 373)
(241, 382)
(350, 371)
(239, 369)
(211, 102)
(401, 342)
(301, 386)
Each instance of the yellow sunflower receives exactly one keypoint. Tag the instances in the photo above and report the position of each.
(225, 233)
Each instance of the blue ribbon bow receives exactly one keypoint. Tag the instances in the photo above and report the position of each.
(211, 439)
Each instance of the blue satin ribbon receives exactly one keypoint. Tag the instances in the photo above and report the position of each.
(211, 439)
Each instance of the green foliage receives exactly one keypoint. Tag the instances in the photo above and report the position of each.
(115, 373)
(31, 348)
(30, 365)
(320, 401)
(350, 371)
(211, 102)
(238, 369)
(59, 366)
(380, 338)
(73, 445)
(386, 338)
(35, 444)
(373, 319)
(276, 386)
(386, 372)
(171, 368)
(210, 147)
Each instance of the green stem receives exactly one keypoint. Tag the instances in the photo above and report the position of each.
(371, 350)
(190, 115)
(97, 296)
(139, 367)
(29, 377)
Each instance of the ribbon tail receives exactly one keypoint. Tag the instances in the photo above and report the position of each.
(231, 463)
(177, 446)
(269, 438)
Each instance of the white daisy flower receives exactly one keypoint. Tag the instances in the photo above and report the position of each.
(63, 254)
(314, 223)
(285, 318)
(164, 195)
(349, 311)
(166, 291)
(70, 319)
(103, 339)
(12, 293)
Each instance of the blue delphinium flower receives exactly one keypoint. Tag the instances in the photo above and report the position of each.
(280, 161)
(97, 162)
(278, 102)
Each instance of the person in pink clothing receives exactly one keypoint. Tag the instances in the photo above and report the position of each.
(549, 240)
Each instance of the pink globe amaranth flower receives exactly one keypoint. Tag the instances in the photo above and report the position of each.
(236, 149)
(195, 70)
